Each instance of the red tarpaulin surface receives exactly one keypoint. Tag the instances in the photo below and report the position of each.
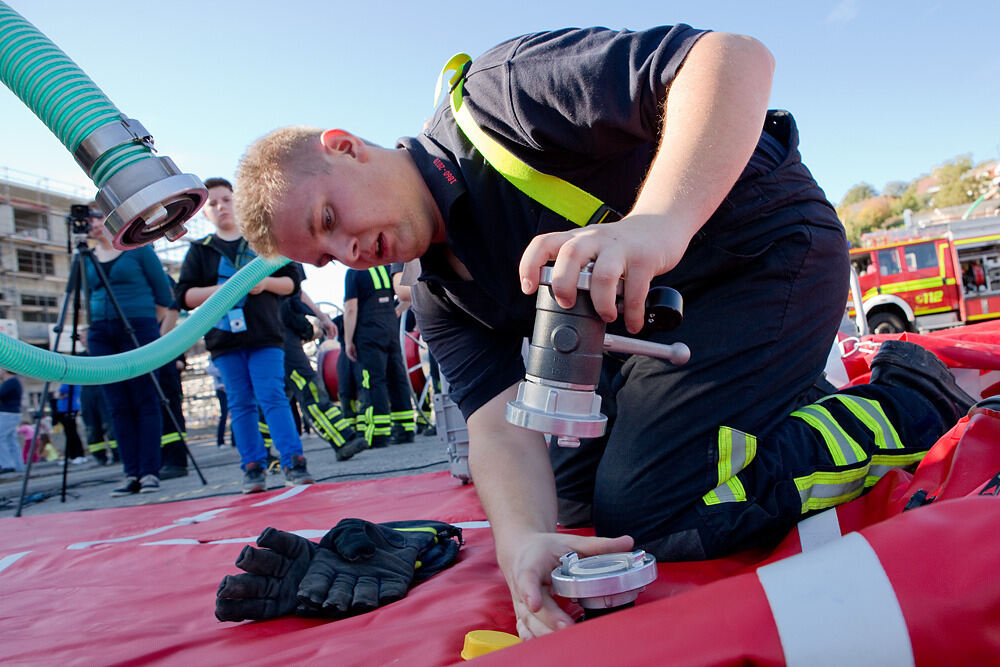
(137, 585)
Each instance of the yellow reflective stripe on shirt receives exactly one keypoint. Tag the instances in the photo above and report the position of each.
(376, 280)
(562, 197)
(843, 448)
(870, 414)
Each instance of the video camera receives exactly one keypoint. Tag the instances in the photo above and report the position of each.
(79, 217)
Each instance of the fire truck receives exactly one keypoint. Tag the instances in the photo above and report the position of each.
(941, 274)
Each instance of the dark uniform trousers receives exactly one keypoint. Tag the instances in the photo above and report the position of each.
(348, 394)
(100, 432)
(383, 385)
(731, 449)
(171, 445)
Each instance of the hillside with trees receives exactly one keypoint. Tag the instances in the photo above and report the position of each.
(958, 181)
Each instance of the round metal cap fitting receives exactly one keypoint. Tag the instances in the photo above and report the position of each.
(603, 576)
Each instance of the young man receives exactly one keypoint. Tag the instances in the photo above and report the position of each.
(669, 126)
(246, 344)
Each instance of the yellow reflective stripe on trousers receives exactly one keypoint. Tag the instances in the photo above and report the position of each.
(168, 438)
(562, 197)
(883, 463)
(843, 448)
(323, 425)
(736, 450)
(870, 414)
(297, 378)
(820, 490)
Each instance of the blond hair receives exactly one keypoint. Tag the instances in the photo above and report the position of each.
(265, 173)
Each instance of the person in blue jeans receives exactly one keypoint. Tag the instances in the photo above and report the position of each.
(139, 284)
(247, 343)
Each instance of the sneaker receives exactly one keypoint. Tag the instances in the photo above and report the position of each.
(130, 486)
(350, 448)
(254, 478)
(297, 473)
(149, 484)
(78, 461)
(173, 472)
(905, 364)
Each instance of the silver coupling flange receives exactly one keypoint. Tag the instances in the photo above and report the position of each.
(149, 199)
(607, 581)
(570, 413)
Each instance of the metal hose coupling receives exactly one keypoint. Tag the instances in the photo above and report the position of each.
(147, 199)
(558, 395)
(606, 583)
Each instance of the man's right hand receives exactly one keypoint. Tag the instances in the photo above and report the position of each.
(528, 566)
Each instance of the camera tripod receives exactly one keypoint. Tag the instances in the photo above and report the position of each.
(74, 286)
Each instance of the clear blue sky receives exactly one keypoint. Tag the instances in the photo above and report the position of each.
(882, 91)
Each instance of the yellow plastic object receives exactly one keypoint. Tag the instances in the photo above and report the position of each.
(481, 642)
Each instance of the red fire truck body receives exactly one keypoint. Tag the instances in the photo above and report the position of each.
(919, 280)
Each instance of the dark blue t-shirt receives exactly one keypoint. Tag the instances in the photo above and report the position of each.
(376, 301)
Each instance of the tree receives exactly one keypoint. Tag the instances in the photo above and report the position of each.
(858, 193)
(909, 199)
(894, 189)
(954, 186)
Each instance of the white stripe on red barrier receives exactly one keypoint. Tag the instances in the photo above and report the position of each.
(7, 561)
(819, 529)
(836, 606)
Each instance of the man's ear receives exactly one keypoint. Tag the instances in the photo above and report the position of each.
(344, 143)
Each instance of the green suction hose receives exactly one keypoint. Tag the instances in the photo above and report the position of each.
(145, 196)
(34, 362)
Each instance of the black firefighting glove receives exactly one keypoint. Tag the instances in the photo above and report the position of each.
(360, 566)
(273, 574)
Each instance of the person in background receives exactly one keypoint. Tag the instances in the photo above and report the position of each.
(172, 449)
(246, 344)
(101, 441)
(139, 284)
(67, 406)
(220, 395)
(404, 303)
(347, 381)
(11, 392)
(371, 334)
(302, 382)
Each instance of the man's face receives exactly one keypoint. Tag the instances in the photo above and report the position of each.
(219, 208)
(353, 214)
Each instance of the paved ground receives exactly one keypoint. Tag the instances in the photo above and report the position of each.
(89, 485)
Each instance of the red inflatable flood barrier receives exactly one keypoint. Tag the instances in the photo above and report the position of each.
(863, 583)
